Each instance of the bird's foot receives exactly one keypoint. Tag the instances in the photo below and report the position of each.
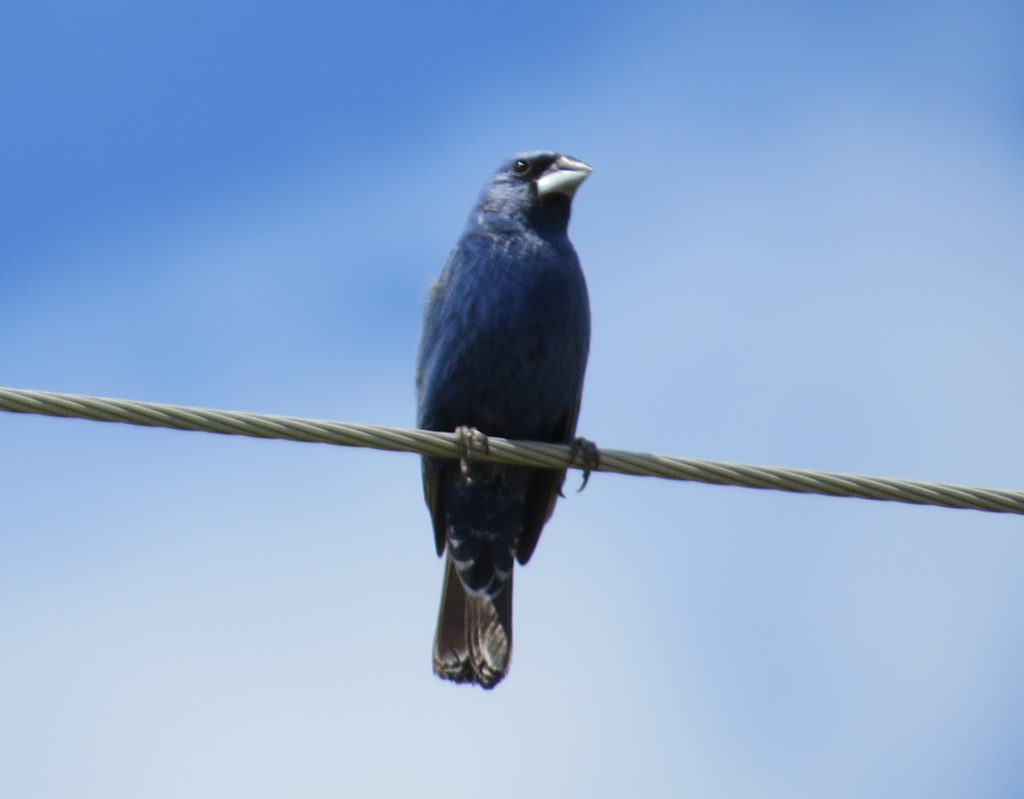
(589, 457)
(474, 446)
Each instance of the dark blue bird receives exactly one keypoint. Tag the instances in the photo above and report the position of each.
(504, 348)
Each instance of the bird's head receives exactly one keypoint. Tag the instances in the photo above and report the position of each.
(537, 187)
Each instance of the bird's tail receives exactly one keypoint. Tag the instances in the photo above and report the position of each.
(474, 633)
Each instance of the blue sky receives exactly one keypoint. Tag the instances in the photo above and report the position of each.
(804, 247)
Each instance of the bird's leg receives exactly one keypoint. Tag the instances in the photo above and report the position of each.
(589, 456)
(474, 445)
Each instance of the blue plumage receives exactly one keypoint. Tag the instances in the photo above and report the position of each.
(504, 349)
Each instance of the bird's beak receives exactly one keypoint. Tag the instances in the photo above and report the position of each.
(564, 176)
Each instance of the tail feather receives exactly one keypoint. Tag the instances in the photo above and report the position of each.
(474, 633)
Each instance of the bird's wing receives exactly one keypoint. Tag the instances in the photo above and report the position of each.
(545, 488)
(433, 481)
(434, 468)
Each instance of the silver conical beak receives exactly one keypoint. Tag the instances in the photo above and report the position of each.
(564, 176)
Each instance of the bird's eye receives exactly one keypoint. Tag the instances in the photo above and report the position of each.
(521, 167)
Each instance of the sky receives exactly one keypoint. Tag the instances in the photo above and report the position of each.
(803, 243)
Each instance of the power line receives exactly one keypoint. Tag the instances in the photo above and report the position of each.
(500, 450)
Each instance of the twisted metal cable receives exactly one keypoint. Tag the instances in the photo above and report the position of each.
(500, 450)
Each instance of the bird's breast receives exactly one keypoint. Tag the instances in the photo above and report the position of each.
(512, 335)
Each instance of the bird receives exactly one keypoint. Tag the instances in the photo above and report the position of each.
(503, 352)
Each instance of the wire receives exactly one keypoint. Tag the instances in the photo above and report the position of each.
(500, 450)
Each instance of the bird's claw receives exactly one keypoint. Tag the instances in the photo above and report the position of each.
(474, 445)
(589, 456)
